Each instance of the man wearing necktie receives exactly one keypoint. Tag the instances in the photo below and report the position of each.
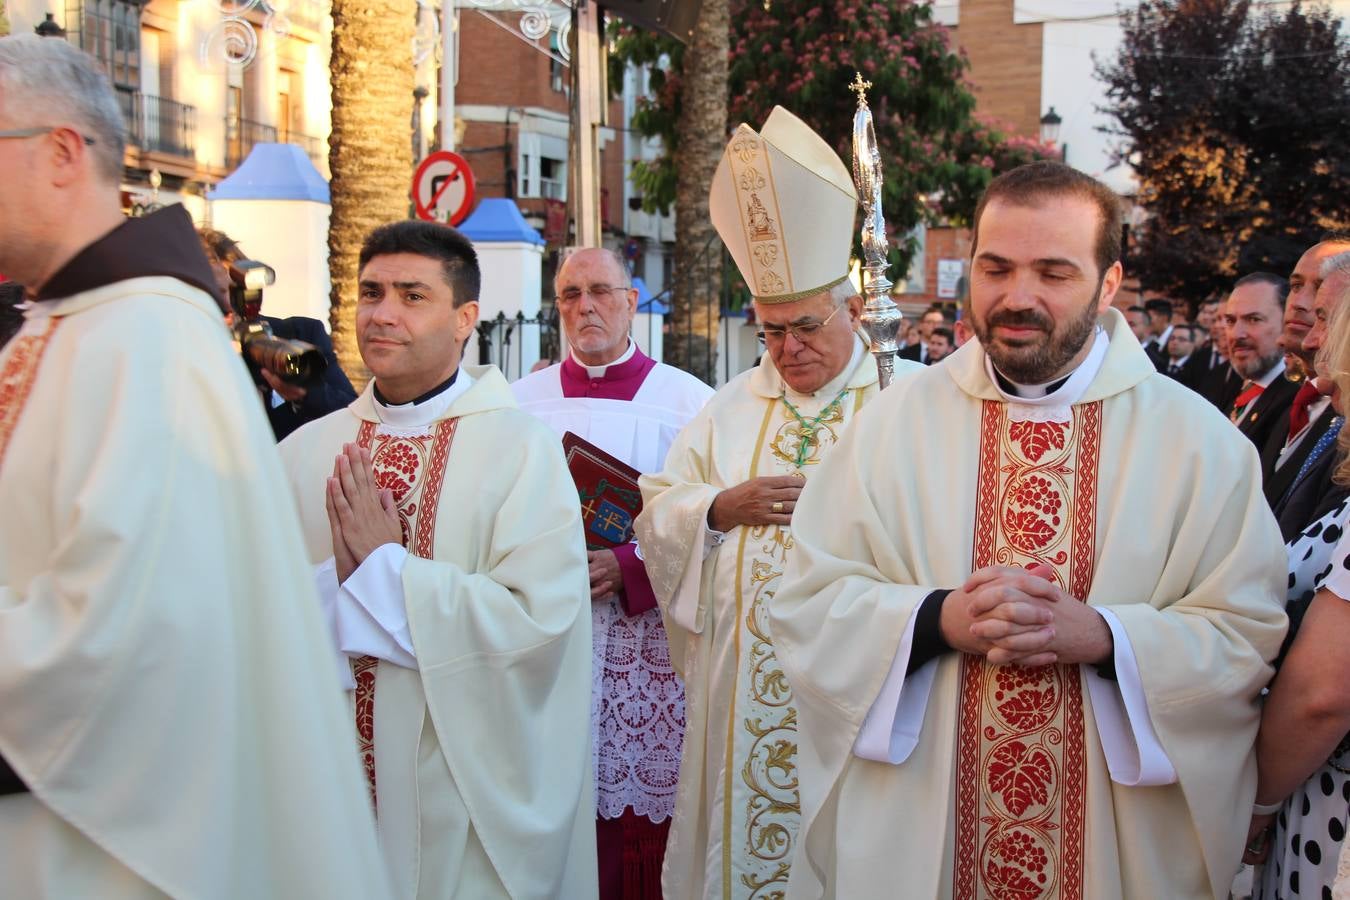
(1180, 346)
(1254, 318)
(1311, 491)
(1310, 414)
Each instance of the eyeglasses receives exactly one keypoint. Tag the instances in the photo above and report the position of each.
(802, 331)
(34, 132)
(573, 294)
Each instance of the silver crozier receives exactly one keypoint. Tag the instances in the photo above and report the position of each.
(880, 316)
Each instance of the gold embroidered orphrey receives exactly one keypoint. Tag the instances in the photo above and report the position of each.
(760, 803)
(751, 174)
(1021, 777)
(17, 377)
(412, 469)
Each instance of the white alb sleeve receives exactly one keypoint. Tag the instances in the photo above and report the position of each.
(890, 730)
(1134, 756)
(371, 618)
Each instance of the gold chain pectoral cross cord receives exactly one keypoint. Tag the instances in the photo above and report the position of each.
(809, 428)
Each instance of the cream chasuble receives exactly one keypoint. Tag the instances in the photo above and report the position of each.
(736, 806)
(167, 692)
(1006, 782)
(475, 738)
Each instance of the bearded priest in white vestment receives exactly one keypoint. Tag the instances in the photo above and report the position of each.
(172, 724)
(1027, 640)
(629, 405)
(715, 525)
(451, 568)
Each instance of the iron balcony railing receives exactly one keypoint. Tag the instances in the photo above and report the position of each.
(241, 135)
(306, 142)
(158, 124)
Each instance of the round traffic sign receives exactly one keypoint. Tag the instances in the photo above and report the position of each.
(443, 189)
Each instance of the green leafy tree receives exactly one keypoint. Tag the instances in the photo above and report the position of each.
(937, 155)
(1236, 124)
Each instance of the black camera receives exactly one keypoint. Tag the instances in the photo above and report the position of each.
(294, 362)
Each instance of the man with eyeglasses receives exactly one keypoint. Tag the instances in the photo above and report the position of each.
(172, 723)
(627, 404)
(717, 525)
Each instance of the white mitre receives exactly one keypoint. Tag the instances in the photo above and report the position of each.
(784, 205)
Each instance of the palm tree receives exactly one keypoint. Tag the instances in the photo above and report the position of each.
(371, 72)
(702, 127)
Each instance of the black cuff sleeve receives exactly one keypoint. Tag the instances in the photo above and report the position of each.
(928, 642)
(1107, 669)
(10, 783)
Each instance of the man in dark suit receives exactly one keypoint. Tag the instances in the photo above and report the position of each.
(1310, 414)
(1180, 347)
(288, 405)
(1159, 311)
(933, 317)
(1311, 491)
(1254, 317)
(1211, 375)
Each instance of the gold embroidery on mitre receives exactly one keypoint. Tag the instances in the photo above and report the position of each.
(761, 226)
(760, 222)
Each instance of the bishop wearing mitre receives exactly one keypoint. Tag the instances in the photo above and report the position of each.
(1028, 640)
(716, 530)
(447, 541)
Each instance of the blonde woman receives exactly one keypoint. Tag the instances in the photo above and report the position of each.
(1303, 753)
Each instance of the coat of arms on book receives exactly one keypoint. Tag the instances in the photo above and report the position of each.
(608, 490)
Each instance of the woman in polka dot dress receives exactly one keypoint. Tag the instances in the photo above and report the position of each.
(1303, 749)
(1305, 723)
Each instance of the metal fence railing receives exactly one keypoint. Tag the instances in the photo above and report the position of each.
(509, 341)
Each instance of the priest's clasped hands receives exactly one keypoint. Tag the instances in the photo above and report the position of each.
(1014, 616)
(362, 516)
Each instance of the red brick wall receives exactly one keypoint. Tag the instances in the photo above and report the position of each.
(1005, 63)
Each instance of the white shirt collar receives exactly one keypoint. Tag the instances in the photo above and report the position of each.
(1275, 372)
(1069, 392)
(599, 371)
(409, 415)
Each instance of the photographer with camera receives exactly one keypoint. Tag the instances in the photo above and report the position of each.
(292, 359)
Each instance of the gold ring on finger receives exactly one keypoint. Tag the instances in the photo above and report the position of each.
(777, 506)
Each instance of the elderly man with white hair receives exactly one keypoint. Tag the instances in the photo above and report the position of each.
(627, 404)
(172, 719)
(717, 527)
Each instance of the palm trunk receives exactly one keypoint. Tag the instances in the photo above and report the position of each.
(372, 79)
(696, 316)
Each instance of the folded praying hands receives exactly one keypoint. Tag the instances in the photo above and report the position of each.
(361, 515)
(1019, 616)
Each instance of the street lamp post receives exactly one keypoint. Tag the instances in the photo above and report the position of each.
(1050, 123)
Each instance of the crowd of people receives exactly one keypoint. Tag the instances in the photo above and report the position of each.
(1058, 613)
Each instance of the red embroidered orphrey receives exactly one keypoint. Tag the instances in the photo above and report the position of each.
(1021, 780)
(17, 377)
(398, 463)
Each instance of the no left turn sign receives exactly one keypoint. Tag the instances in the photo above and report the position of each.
(442, 189)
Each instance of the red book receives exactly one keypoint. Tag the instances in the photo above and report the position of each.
(608, 488)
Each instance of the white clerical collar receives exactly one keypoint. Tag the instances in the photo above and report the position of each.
(1068, 391)
(599, 371)
(1275, 372)
(418, 415)
(836, 384)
